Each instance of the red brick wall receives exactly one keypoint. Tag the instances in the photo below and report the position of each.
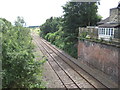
(101, 56)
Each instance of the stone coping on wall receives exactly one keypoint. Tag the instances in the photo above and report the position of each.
(109, 43)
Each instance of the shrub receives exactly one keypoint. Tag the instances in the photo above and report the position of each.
(20, 69)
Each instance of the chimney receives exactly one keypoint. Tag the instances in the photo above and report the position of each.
(115, 14)
(118, 12)
(118, 5)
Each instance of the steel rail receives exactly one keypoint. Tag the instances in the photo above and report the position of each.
(54, 69)
(45, 42)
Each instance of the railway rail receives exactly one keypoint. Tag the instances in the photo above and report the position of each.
(69, 73)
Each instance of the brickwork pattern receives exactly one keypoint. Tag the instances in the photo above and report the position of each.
(102, 57)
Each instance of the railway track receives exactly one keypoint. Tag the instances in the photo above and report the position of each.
(70, 74)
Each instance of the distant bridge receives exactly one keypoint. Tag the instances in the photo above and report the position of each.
(33, 26)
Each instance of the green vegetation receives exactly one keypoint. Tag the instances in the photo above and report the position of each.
(20, 21)
(84, 36)
(36, 30)
(50, 26)
(19, 67)
(63, 31)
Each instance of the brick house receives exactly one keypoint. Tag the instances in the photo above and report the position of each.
(109, 27)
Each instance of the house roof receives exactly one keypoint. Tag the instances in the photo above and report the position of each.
(103, 21)
(112, 20)
(110, 25)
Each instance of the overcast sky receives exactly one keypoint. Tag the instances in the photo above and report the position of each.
(35, 12)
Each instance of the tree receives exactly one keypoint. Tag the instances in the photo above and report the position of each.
(19, 67)
(50, 26)
(20, 21)
(5, 25)
(65, 35)
(77, 14)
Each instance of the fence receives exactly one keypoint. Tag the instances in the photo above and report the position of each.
(92, 32)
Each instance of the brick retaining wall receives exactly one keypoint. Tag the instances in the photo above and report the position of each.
(101, 56)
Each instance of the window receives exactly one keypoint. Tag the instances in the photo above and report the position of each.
(102, 30)
(111, 31)
(99, 30)
(106, 31)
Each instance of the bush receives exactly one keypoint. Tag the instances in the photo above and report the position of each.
(20, 69)
(61, 42)
(52, 31)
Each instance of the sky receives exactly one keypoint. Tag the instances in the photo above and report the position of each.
(35, 12)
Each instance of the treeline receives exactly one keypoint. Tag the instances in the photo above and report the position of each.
(19, 67)
(63, 31)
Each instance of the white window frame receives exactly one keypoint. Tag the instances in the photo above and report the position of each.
(106, 31)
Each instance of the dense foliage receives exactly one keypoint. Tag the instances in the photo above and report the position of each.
(20, 21)
(76, 15)
(50, 26)
(57, 37)
(20, 69)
